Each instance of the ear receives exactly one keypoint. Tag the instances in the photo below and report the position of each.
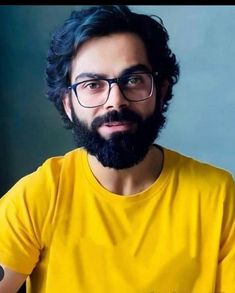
(67, 106)
(163, 92)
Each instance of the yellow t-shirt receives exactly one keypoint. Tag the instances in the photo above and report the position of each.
(70, 234)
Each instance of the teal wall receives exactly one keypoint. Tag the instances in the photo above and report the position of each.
(31, 129)
(201, 117)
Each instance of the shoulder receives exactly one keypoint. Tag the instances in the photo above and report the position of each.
(52, 168)
(55, 164)
(32, 202)
(199, 172)
(42, 184)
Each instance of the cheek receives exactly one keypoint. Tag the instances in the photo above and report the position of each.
(146, 107)
(85, 115)
(152, 104)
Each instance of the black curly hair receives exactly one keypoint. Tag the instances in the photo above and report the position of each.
(103, 20)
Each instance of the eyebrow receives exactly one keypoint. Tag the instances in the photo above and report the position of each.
(131, 69)
(135, 68)
(89, 75)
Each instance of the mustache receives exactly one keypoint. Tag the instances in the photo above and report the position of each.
(123, 115)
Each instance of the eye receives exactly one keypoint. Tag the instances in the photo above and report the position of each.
(134, 80)
(91, 85)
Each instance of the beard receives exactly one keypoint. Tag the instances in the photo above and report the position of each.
(122, 149)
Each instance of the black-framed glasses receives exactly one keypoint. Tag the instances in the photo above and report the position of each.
(135, 87)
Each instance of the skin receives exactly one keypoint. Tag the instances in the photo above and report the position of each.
(110, 56)
(120, 51)
(11, 281)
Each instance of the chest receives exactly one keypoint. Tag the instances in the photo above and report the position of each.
(159, 246)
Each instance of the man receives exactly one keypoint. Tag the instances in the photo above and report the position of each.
(119, 213)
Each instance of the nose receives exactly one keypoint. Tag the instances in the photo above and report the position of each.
(116, 99)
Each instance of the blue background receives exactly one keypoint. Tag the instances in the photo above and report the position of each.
(200, 118)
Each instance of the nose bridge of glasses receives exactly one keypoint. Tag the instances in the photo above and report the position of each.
(111, 83)
(118, 93)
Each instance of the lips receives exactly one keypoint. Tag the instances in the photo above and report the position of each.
(115, 126)
(116, 123)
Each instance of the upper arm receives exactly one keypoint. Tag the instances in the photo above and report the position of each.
(25, 222)
(10, 281)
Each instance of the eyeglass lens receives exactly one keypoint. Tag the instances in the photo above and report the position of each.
(94, 92)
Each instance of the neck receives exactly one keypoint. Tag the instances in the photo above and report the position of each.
(132, 180)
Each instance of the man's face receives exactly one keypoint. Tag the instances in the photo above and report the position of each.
(119, 132)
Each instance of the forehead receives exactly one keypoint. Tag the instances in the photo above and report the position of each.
(110, 55)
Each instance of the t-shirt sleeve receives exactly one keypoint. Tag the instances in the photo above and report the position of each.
(226, 262)
(26, 216)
